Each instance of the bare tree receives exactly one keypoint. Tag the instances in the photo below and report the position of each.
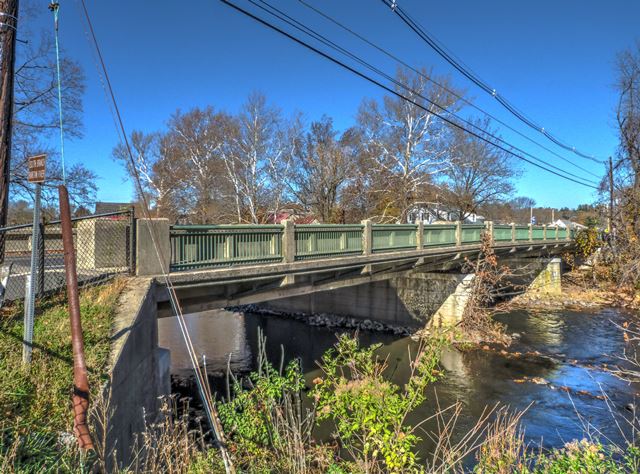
(407, 143)
(478, 173)
(161, 179)
(259, 159)
(36, 117)
(198, 140)
(322, 166)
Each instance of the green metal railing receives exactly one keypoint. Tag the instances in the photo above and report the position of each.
(471, 233)
(537, 232)
(522, 233)
(200, 246)
(207, 246)
(439, 235)
(394, 237)
(318, 241)
(502, 233)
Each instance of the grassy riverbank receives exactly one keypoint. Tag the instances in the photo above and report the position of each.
(35, 402)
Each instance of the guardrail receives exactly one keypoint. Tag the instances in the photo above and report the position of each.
(207, 246)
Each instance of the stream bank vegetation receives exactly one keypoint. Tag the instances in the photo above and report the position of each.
(273, 419)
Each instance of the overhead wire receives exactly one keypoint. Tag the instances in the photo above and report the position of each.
(560, 173)
(201, 382)
(55, 9)
(460, 97)
(307, 30)
(469, 74)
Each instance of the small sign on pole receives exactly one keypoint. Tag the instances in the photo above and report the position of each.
(37, 168)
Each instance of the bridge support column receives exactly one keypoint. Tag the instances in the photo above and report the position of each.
(452, 309)
(548, 281)
(148, 260)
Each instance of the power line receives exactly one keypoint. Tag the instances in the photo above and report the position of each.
(473, 77)
(203, 386)
(439, 84)
(309, 31)
(398, 94)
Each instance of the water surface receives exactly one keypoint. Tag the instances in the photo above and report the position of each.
(579, 345)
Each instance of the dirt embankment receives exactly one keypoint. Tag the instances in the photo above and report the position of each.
(579, 291)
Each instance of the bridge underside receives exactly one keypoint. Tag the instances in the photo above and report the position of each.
(360, 286)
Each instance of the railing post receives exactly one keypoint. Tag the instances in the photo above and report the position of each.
(530, 232)
(420, 235)
(289, 242)
(147, 262)
(568, 234)
(513, 232)
(544, 232)
(367, 237)
(458, 233)
(557, 229)
(489, 230)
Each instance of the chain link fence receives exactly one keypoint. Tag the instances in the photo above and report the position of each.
(104, 246)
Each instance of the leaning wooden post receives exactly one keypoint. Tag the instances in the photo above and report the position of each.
(544, 232)
(513, 232)
(530, 232)
(80, 397)
(557, 232)
(458, 233)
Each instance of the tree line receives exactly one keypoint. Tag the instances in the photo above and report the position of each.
(212, 166)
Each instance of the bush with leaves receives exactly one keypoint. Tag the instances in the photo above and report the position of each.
(370, 412)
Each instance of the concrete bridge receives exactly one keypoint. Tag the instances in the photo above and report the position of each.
(399, 274)
(407, 275)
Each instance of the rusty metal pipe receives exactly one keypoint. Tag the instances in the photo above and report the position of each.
(80, 397)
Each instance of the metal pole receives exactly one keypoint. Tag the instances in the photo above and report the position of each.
(31, 281)
(80, 395)
(8, 26)
(41, 257)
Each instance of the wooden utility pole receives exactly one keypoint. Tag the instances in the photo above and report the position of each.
(8, 29)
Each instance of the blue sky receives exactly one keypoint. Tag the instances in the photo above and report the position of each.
(554, 60)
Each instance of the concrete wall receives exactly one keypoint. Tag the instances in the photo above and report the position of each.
(140, 370)
(408, 300)
(102, 244)
(148, 260)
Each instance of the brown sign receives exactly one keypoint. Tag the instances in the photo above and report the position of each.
(37, 167)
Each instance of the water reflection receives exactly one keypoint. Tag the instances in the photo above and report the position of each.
(477, 378)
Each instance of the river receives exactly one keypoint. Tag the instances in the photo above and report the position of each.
(561, 390)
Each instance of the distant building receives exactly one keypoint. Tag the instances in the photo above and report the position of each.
(568, 224)
(433, 212)
(107, 207)
(291, 214)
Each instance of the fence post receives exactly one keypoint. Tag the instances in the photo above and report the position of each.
(367, 237)
(132, 241)
(530, 232)
(420, 235)
(557, 230)
(289, 242)
(568, 234)
(458, 233)
(544, 232)
(513, 232)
